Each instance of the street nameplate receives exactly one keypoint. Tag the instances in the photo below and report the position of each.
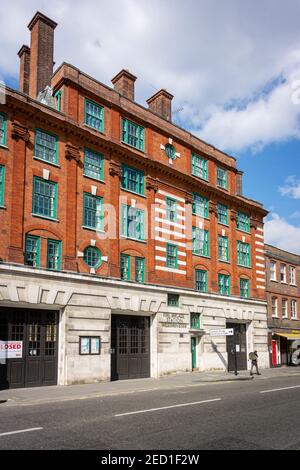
(224, 332)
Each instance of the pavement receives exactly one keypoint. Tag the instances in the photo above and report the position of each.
(44, 395)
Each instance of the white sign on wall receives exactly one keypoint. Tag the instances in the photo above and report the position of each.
(11, 349)
(224, 332)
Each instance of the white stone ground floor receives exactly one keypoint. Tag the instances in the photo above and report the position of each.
(86, 304)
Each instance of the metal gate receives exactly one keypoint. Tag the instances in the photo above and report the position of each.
(38, 330)
(239, 341)
(130, 347)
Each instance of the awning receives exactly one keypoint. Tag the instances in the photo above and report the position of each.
(289, 335)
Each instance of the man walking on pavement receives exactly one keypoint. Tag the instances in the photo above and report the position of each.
(253, 357)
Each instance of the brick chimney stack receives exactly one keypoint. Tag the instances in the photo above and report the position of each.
(124, 84)
(42, 53)
(24, 54)
(161, 104)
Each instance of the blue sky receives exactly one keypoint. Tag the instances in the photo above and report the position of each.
(233, 67)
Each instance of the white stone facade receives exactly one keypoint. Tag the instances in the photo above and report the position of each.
(86, 304)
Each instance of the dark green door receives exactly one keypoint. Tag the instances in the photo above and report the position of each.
(194, 353)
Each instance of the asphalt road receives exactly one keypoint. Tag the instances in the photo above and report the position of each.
(234, 415)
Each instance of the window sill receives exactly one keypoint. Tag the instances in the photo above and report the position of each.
(294, 319)
(244, 231)
(45, 217)
(133, 192)
(46, 161)
(93, 229)
(133, 239)
(223, 261)
(3, 146)
(201, 216)
(201, 256)
(3, 207)
(199, 178)
(293, 285)
(244, 266)
(93, 129)
(274, 280)
(94, 179)
(222, 223)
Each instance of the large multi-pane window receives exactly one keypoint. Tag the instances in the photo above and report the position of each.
(133, 180)
(94, 115)
(133, 134)
(243, 253)
(171, 207)
(199, 167)
(2, 185)
(274, 307)
(46, 146)
(200, 242)
(243, 222)
(125, 267)
(283, 273)
(92, 257)
(3, 129)
(224, 284)
(273, 276)
(222, 211)
(222, 178)
(284, 308)
(201, 280)
(32, 251)
(44, 201)
(223, 249)
(195, 321)
(92, 212)
(294, 309)
(140, 270)
(172, 256)
(292, 275)
(245, 288)
(54, 255)
(93, 165)
(200, 206)
(132, 223)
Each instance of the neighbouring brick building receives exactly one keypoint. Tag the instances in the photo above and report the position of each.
(124, 239)
(283, 295)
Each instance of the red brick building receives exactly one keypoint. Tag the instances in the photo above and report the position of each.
(117, 225)
(283, 295)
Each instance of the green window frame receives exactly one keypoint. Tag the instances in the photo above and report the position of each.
(222, 212)
(171, 256)
(44, 198)
(195, 321)
(133, 180)
(93, 165)
(54, 255)
(3, 129)
(243, 222)
(200, 206)
(92, 257)
(133, 134)
(199, 167)
(244, 254)
(224, 284)
(140, 270)
(125, 267)
(201, 242)
(132, 223)
(244, 288)
(93, 212)
(201, 280)
(2, 185)
(58, 96)
(94, 115)
(223, 248)
(173, 300)
(32, 251)
(46, 146)
(171, 209)
(222, 178)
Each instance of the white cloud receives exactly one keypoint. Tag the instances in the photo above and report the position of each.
(280, 233)
(206, 52)
(291, 188)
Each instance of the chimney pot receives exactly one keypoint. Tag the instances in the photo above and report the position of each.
(124, 84)
(161, 104)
